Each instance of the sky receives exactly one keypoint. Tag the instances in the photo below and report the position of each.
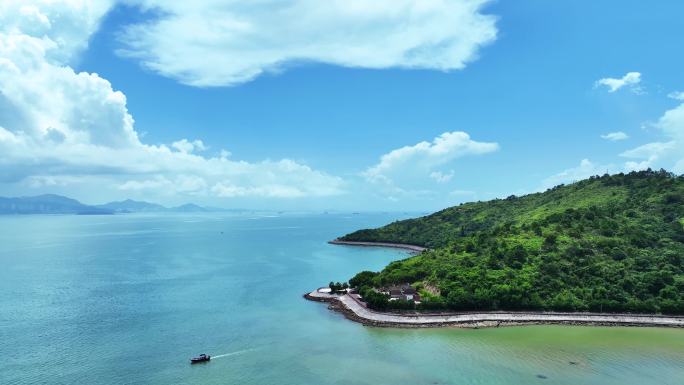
(364, 105)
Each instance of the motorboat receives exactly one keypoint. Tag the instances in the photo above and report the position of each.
(201, 358)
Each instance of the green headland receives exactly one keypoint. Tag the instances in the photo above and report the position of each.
(613, 243)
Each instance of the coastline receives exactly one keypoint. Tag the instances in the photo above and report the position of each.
(404, 246)
(354, 310)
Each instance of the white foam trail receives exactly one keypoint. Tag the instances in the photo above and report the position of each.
(232, 354)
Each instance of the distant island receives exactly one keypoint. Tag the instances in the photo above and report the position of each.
(609, 244)
(57, 204)
(131, 206)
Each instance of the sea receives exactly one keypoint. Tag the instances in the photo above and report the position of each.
(128, 299)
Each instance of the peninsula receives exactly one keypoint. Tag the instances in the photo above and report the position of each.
(605, 250)
(353, 308)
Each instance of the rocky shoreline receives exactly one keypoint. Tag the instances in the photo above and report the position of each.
(341, 305)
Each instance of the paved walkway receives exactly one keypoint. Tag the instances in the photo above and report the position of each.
(517, 317)
(413, 248)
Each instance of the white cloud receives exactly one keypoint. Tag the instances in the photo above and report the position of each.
(668, 153)
(75, 128)
(677, 95)
(180, 184)
(412, 165)
(615, 136)
(584, 170)
(672, 125)
(649, 150)
(219, 43)
(272, 191)
(631, 80)
(188, 147)
(441, 177)
(156, 183)
(38, 181)
(60, 28)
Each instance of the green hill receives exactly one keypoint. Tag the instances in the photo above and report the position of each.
(612, 244)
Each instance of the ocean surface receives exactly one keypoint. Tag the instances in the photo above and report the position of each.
(128, 299)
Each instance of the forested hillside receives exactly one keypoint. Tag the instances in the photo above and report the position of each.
(612, 244)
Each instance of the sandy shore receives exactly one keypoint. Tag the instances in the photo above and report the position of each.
(356, 311)
(414, 248)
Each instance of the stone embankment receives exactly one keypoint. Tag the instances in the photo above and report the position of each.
(413, 248)
(355, 310)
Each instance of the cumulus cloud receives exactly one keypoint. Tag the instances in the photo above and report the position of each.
(615, 136)
(74, 127)
(667, 153)
(584, 170)
(222, 43)
(61, 28)
(413, 164)
(187, 147)
(630, 80)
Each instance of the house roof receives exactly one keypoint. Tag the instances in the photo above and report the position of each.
(408, 290)
(401, 290)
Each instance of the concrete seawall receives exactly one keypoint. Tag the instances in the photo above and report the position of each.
(356, 311)
(413, 248)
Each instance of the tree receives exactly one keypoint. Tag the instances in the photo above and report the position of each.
(612, 243)
(337, 287)
(364, 278)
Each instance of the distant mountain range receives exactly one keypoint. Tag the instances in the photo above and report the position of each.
(57, 204)
(131, 206)
(47, 204)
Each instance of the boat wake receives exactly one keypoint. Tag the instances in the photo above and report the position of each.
(231, 354)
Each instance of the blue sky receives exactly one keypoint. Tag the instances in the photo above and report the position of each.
(519, 81)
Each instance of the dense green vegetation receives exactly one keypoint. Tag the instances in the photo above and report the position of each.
(611, 243)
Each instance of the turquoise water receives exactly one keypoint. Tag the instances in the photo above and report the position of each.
(128, 299)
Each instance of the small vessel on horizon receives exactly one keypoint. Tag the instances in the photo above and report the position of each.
(201, 358)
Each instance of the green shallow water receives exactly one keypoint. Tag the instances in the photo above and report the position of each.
(128, 299)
